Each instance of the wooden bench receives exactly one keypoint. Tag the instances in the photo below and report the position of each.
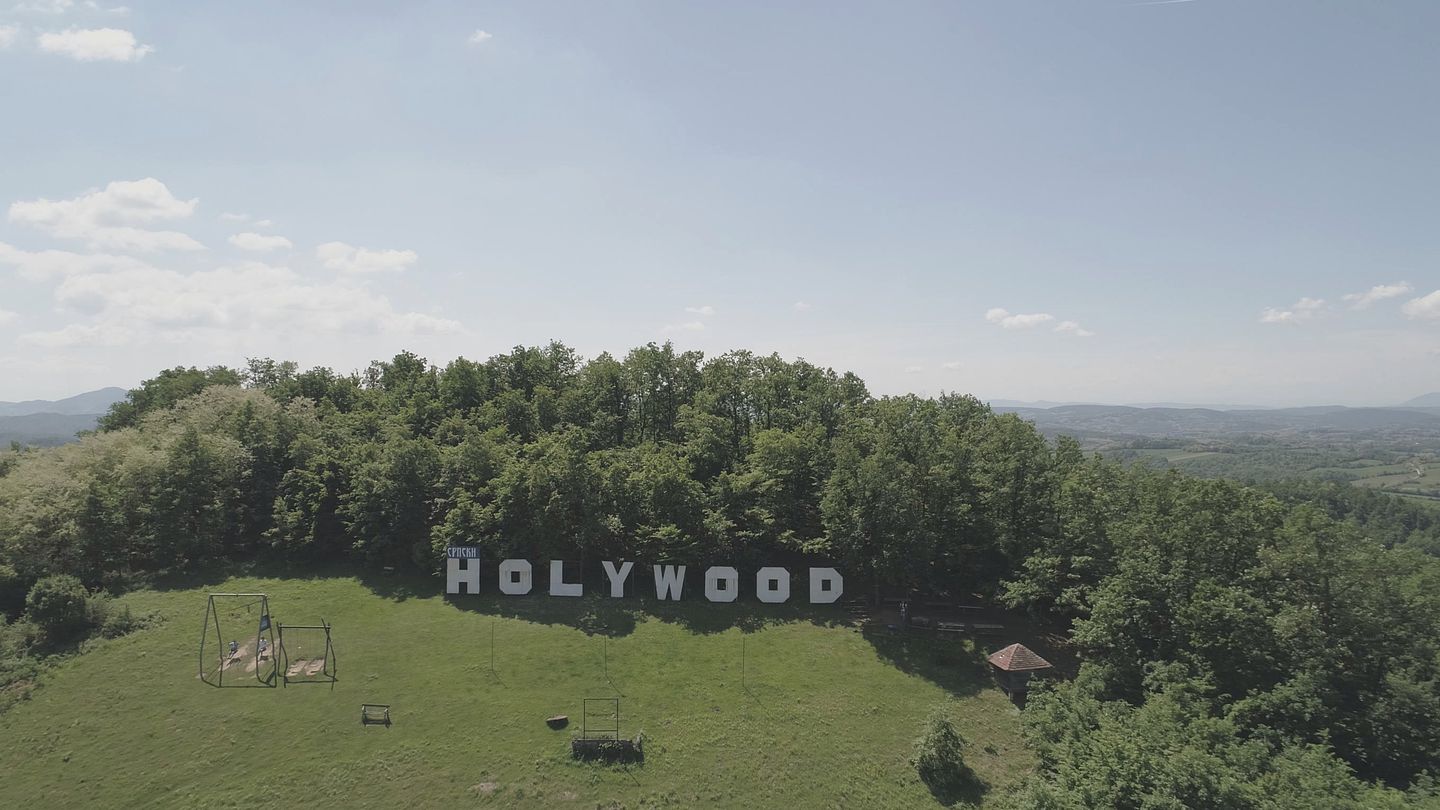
(987, 629)
(950, 627)
(375, 713)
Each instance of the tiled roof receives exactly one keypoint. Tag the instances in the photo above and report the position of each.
(1018, 658)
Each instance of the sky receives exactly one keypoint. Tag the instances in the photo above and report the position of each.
(1205, 201)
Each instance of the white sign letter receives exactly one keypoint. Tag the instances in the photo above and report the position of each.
(669, 581)
(558, 585)
(617, 578)
(462, 572)
(515, 577)
(772, 585)
(825, 585)
(722, 583)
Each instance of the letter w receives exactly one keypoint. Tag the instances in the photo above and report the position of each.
(669, 581)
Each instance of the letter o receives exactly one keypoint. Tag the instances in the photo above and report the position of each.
(515, 577)
(772, 585)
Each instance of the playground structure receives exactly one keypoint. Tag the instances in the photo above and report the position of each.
(306, 654)
(237, 614)
(600, 734)
(374, 714)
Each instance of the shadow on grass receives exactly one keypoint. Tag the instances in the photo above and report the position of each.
(956, 665)
(596, 614)
(966, 790)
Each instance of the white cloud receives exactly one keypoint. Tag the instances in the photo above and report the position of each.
(8, 35)
(150, 304)
(705, 311)
(1379, 292)
(77, 334)
(1073, 328)
(690, 326)
(234, 217)
(259, 242)
(6, 316)
(1302, 310)
(106, 218)
(479, 37)
(951, 365)
(350, 259)
(914, 369)
(1426, 306)
(43, 264)
(1009, 321)
(94, 45)
(45, 6)
(801, 306)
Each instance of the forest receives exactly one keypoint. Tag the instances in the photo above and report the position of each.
(1242, 646)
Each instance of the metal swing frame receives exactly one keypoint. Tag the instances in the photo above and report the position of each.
(263, 625)
(330, 668)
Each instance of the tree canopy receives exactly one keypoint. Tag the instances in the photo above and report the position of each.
(1283, 639)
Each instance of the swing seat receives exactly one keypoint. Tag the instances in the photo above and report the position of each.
(374, 713)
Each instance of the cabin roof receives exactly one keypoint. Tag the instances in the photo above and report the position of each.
(1018, 658)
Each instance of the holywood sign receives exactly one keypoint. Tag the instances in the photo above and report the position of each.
(722, 582)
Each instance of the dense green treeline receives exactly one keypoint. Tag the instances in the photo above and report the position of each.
(1288, 638)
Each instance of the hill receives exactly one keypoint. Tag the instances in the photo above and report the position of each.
(825, 716)
(1431, 400)
(47, 423)
(1127, 421)
(90, 402)
(44, 429)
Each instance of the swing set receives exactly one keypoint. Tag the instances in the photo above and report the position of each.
(238, 613)
(307, 656)
(275, 654)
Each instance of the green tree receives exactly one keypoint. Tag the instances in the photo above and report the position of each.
(57, 604)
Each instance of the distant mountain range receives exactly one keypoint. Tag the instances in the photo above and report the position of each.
(51, 422)
(1010, 404)
(1115, 421)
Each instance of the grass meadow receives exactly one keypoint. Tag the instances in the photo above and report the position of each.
(824, 714)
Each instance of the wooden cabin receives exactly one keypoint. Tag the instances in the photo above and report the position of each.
(1014, 666)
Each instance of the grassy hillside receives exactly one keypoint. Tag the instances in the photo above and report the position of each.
(825, 717)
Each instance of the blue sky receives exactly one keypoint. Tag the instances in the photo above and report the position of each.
(1075, 200)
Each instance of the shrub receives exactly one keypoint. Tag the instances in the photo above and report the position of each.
(120, 622)
(59, 605)
(940, 757)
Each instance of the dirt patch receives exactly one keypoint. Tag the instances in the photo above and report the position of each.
(305, 666)
(486, 788)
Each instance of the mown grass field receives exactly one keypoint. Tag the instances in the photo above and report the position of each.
(825, 716)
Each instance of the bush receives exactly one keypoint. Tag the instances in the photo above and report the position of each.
(940, 757)
(60, 606)
(120, 622)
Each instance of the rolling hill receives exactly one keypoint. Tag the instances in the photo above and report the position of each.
(47, 423)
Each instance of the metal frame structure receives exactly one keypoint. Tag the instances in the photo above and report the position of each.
(263, 625)
(606, 732)
(329, 668)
